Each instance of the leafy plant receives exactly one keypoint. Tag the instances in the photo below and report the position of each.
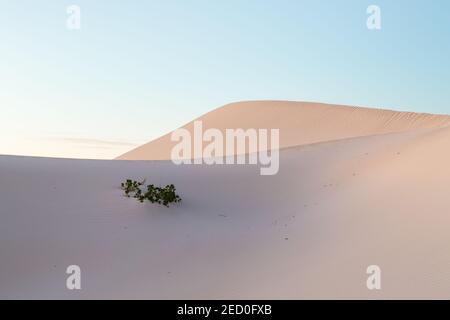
(132, 187)
(161, 195)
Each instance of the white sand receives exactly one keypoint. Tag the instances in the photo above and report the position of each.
(344, 205)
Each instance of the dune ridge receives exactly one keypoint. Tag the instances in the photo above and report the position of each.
(300, 123)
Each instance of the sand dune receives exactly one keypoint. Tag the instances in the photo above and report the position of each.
(300, 123)
(310, 231)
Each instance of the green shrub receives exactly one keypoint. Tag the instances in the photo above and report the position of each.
(161, 195)
(132, 187)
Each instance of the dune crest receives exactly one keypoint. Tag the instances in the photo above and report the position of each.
(300, 123)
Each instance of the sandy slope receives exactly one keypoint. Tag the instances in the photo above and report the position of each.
(308, 232)
(300, 123)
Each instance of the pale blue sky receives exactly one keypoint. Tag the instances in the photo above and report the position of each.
(138, 69)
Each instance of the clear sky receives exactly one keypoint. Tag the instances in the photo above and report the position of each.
(138, 69)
